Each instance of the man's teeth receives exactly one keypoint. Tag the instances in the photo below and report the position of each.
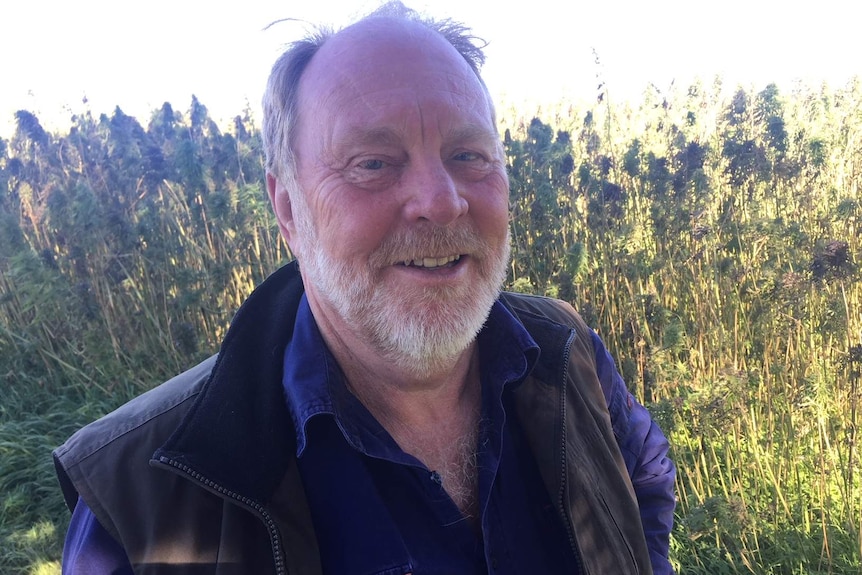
(432, 262)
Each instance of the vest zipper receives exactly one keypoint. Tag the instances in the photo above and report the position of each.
(257, 508)
(561, 501)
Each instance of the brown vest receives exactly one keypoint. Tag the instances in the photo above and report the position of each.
(178, 480)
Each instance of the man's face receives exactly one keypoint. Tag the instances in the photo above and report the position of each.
(400, 220)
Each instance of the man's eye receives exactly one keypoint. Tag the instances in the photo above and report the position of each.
(371, 164)
(466, 157)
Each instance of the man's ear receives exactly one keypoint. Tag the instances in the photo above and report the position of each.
(280, 201)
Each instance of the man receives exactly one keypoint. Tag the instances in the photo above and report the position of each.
(388, 410)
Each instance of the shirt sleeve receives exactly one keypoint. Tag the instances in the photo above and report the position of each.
(90, 549)
(645, 451)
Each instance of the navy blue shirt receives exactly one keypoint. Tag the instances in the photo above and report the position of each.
(377, 509)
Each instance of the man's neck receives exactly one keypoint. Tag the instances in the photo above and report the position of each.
(405, 403)
(438, 425)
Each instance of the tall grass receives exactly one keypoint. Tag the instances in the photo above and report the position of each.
(712, 241)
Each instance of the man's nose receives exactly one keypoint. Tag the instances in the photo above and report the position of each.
(432, 195)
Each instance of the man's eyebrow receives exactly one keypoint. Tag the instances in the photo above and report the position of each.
(472, 132)
(367, 136)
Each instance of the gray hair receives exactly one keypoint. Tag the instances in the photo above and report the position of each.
(282, 89)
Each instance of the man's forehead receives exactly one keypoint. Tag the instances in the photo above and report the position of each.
(386, 49)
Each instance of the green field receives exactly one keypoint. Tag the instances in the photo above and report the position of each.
(712, 240)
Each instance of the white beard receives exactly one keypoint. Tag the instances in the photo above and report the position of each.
(421, 330)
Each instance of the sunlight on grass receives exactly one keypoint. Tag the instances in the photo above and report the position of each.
(41, 532)
(45, 568)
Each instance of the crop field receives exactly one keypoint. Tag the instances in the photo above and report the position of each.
(712, 238)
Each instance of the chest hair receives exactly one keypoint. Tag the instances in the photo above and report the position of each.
(452, 456)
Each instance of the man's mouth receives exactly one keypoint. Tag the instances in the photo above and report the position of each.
(432, 263)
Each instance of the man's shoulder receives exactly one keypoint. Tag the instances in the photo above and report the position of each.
(166, 403)
(542, 306)
(552, 323)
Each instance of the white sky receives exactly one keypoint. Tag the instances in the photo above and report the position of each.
(140, 53)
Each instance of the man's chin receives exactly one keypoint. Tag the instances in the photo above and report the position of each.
(430, 358)
(424, 338)
(422, 330)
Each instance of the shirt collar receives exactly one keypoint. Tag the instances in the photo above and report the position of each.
(314, 384)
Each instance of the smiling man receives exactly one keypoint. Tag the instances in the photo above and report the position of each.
(379, 406)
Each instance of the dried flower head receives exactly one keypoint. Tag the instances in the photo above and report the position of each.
(831, 261)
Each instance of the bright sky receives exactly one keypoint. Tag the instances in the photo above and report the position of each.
(141, 53)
